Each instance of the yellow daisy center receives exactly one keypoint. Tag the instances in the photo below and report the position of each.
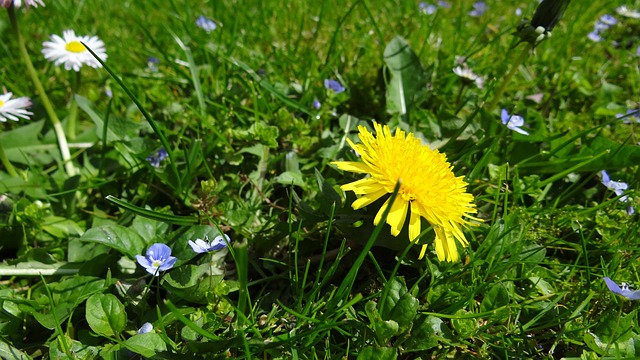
(1, 103)
(75, 47)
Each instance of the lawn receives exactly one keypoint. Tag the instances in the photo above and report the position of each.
(319, 179)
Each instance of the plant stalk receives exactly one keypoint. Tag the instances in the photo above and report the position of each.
(505, 80)
(57, 125)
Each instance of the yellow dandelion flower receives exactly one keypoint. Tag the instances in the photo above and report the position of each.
(428, 187)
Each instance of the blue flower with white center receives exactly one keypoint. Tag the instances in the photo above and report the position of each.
(594, 36)
(158, 157)
(145, 328)
(427, 8)
(622, 289)
(206, 24)
(608, 20)
(479, 9)
(202, 246)
(513, 122)
(158, 258)
(618, 187)
(333, 85)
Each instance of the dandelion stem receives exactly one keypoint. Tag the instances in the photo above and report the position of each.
(506, 79)
(57, 125)
(7, 164)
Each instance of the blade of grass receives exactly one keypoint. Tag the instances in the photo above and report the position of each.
(153, 123)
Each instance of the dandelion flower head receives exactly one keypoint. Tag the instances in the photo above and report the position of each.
(428, 187)
(69, 51)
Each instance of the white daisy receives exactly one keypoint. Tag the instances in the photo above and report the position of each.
(467, 74)
(630, 13)
(18, 3)
(13, 109)
(68, 50)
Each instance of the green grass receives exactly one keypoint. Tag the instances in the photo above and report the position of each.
(308, 277)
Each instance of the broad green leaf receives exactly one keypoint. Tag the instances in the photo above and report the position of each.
(464, 326)
(118, 129)
(149, 229)
(74, 289)
(384, 329)
(105, 314)
(23, 145)
(407, 81)
(59, 313)
(78, 349)
(146, 345)
(289, 178)
(374, 353)
(117, 237)
(426, 333)
(9, 352)
(405, 311)
(495, 298)
(616, 327)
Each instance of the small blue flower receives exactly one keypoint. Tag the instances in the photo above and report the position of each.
(479, 9)
(158, 259)
(513, 122)
(518, 12)
(152, 63)
(206, 24)
(444, 4)
(145, 328)
(608, 20)
(316, 104)
(427, 8)
(630, 210)
(157, 158)
(202, 246)
(331, 84)
(594, 36)
(618, 187)
(629, 116)
(622, 290)
(638, 51)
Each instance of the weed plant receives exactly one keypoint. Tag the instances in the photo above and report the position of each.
(185, 195)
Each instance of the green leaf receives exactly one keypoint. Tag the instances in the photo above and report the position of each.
(149, 229)
(384, 330)
(9, 352)
(22, 145)
(426, 333)
(119, 129)
(374, 353)
(78, 349)
(496, 297)
(154, 215)
(146, 345)
(105, 314)
(289, 178)
(407, 82)
(466, 327)
(117, 237)
(59, 313)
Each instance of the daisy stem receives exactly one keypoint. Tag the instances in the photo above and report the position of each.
(7, 164)
(507, 78)
(57, 125)
(73, 107)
